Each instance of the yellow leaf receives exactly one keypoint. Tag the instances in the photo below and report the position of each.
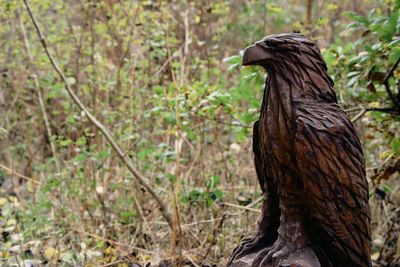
(297, 26)
(51, 254)
(109, 251)
(375, 104)
(4, 254)
(332, 7)
(11, 222)
(375, 256)
(143, 257)
(385, 154)
(13, 199)
(3, 201)
(30, 187)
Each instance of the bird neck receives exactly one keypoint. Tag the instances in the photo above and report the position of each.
(278, 92)
(294, 82)
(277, 109)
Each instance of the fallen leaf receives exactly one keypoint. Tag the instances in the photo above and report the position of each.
(375, 256)
(3, 201)
(51, 254)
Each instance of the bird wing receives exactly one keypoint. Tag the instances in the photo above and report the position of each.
(331, 167)
(260, 169)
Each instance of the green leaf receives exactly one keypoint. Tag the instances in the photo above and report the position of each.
(234, 60)
(71, 81)
(396, 145)
(358, 18)
(158, 90)
(81, 157)
(273, 8)
(81, 141)
(387, 188)
(51, 184)
(195, 194)
(213, 182)
(171, 177)
(353, 81)
(394, 55)
(65, 142)
(218, 194)
(143, 153)
(102, 155)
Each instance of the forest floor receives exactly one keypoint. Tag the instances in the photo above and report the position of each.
(205, 242)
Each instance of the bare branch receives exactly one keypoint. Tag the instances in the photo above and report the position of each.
(359, 115)
(391, 70)
(98, 125)
(386, 83)
(392, 111)
(13, 172)
(391, 96)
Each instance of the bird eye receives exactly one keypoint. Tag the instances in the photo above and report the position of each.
(270, 43)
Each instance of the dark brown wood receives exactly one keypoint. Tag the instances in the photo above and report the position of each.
(309, 163)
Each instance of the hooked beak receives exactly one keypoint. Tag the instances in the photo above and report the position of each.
(255, 55)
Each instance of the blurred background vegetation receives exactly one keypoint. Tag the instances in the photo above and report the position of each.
(165, 78)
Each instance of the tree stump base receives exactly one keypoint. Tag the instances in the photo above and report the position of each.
(301, 258)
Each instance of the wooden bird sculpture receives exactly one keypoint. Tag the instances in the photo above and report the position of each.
(309, 164)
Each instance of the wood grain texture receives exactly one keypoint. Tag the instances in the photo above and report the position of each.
(309, 164)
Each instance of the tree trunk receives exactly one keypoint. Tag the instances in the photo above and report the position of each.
(309, 12)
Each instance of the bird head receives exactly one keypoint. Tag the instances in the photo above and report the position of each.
(276, 48)
(297, 59)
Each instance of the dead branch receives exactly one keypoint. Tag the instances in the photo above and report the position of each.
(385, 82)
(388, 169)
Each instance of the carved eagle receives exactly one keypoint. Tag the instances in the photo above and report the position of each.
(309, 163)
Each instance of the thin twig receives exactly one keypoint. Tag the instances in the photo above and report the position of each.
(115, 263)
(391, 111)
(359, 115)
(391, 70)
(145, 222)
(265, 16)
(214, 235)
(192, 261)
(386, 84)
(222, 122)
(98, 125)
(352, 109)
(244, 208)
(176, 185)
(114, 243)
(391, 96)
(13, 172)
(241, 207)
(167, 62)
